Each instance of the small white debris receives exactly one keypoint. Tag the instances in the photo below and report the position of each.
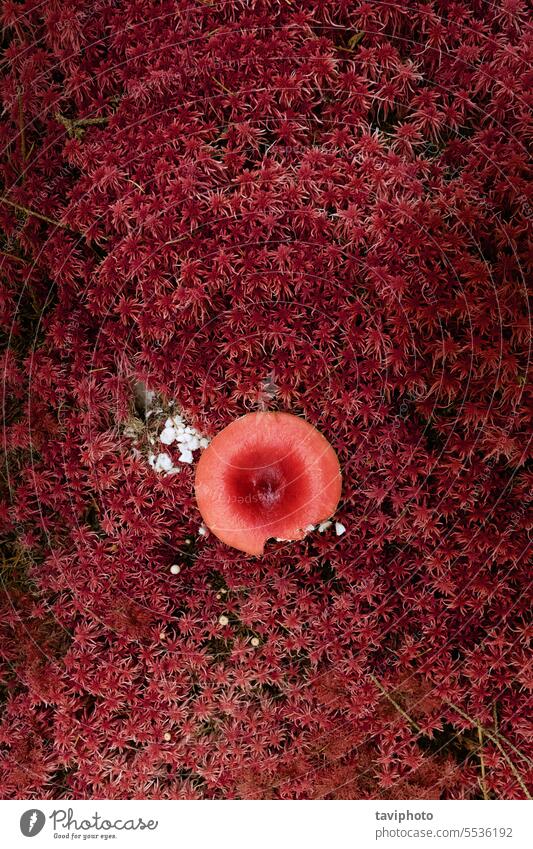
(223, 620)
(163, 462)
(167, 436)
(309, 528)
(254, 641)
(202, 530)
(339, 528)
(323, 527)
(187, 438)
(151, 460)
(167, 737)
(175, 569)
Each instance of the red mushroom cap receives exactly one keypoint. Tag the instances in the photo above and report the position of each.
(266, 475)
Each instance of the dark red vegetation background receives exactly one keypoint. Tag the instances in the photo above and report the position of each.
(330, 197)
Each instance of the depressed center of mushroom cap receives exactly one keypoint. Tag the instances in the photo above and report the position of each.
(266, 484)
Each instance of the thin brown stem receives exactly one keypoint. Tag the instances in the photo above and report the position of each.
(12, 256)
(492, 733)
(32, 212)
(21, 129)
(400, 710)
(71, 123)
(482, 762)
(222, 86)
(494, 738)
(512, 768)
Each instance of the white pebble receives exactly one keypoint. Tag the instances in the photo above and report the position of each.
(202, 530)
(167, 436)
(223, 620)
(323, 527)
(204, 442)
(194, 443)
(185, 456)
(309, 528)
(254, 641)
(339, 528)
(169, 423)
(175, 569)
(163, 462)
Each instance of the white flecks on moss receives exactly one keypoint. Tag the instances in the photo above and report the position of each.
(202, 531)
(182, 437)
(175, 569)
(163, 463)
(167, 436)
(223, 620)
(324, 526)
(254, 641)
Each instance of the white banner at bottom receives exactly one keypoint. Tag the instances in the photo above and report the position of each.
(266, 824)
